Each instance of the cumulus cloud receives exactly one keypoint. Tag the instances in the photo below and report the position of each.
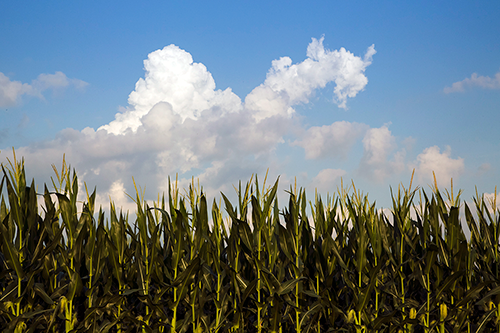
(288, 84)
(442, 164)
(378, 145)
(485, 82)
(57, 80)
(178, 122)
(118, 194)
(327, 180)
(172, 77)
(334, 140)
(12, 91)
(492, 201)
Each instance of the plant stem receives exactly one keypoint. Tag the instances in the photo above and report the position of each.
(259, 324)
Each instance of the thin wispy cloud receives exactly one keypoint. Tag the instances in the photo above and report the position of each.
(475, 80)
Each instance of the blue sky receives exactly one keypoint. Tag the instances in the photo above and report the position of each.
(426, 96)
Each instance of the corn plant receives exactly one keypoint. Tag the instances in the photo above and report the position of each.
(184, 265)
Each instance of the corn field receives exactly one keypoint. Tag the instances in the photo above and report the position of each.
(185, 265)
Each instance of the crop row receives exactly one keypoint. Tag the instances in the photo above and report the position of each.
(249, 266)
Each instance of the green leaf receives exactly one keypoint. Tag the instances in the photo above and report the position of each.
(288, 286)
(10, 251)
(38, 288)
(484, 320)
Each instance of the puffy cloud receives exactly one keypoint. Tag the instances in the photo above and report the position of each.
(56, 81)
(332, 140)
(327, 180)
(475, 81)
(492, 201)
(288, 84)
(172, 77)
(118, 194)
(11, 91)
(178, 122)
(432, 160)
(378, 144)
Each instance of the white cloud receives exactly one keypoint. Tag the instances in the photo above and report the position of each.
(444, 166)
(172, 77)
(332, 140)
(12, 91)
(118, 194)
(378, 144)
(475, 81)
(492, 201)
(327, 180)
(178, 122)
(287, 85)
(56, 81)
